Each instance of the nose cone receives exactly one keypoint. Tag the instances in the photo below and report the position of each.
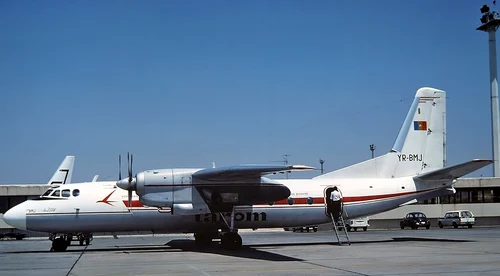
(125, 184)
(16, 217)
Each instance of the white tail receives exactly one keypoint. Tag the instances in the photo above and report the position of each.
(64, 173)
(419, 147)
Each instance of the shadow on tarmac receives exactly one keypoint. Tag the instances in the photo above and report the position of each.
(251, 251)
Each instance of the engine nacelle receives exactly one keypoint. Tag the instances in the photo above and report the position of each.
(190, 209)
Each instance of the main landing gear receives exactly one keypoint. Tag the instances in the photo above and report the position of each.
(61, 243)
(229, 240)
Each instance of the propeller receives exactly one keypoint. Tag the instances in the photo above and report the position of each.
(129, 161)
(119, 167)
(128, 183)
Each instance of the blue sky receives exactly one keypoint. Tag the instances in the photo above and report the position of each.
(186, 83)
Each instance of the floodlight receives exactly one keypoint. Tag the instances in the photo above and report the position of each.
(485, 9)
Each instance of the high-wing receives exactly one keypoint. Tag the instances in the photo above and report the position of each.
(232, 173)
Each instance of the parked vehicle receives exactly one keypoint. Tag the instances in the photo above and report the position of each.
(302, 229)
(415, 220)
(12, 235)
(354, 224)
(457, 218)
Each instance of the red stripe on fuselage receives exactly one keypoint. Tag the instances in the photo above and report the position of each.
(317, 200)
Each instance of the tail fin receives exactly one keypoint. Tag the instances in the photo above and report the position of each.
(419, 147)
(64, 173)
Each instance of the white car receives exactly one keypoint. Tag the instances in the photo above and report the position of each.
(457, 218)
(354, 224)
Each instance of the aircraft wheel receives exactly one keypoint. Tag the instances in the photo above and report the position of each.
(202, 239)
(231, 240)
(68, 238)
(59, 245)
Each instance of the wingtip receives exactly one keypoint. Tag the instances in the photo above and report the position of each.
(301, 167)
(482, 160)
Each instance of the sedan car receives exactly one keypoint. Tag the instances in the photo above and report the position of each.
(415, 220)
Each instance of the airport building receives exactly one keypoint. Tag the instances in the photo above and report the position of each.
(479, 195)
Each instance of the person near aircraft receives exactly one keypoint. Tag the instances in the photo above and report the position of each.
(336, 203)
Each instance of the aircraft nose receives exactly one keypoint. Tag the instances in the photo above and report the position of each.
(16, 217)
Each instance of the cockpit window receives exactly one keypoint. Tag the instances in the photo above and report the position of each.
(47, 192)
(57, 193)
(65, 193)
(76, 192)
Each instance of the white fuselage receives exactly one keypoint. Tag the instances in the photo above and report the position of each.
(102, 207)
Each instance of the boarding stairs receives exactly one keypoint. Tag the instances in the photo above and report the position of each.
(340, 224)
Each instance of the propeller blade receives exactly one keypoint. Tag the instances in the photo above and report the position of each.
(129, 198)
(120, 167)
(129, 167)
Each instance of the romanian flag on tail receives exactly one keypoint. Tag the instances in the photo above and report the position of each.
(420, 125)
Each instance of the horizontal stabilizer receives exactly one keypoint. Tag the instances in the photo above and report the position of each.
(454, 172)
(245, 171)
(413, 201)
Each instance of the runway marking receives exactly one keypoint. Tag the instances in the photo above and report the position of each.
(73, 266)
(199, 270)
(335, 268)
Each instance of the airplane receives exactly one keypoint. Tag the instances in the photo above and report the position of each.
(214, 202)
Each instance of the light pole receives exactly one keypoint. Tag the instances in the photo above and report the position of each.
(321, 162)
(490, 23)
(372, 148)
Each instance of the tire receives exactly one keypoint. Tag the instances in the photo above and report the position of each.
(81, 241)
(355, 229)
(455, 225)
(365, 228)
(315, 229)
(470, 225)
(440, 225)
(402, 225)
(348, 228)
(20, 238)
(427, 227)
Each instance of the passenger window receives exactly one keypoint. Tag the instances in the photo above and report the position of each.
(65, 193)
(76, 192)
(47, 192)
(310, 200)
(57, 193)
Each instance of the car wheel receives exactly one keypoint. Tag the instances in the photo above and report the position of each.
(470, 225)
(440, 225)
(427, 227)
(355, 229)
(455, 225)
(402, 226)
(365, 228)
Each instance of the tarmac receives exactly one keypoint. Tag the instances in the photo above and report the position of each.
(449, 251)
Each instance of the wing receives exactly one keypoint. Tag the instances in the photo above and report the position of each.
(245, 171)
(454, 172)
(224, 187)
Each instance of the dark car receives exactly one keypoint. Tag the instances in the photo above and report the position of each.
(415, 220)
